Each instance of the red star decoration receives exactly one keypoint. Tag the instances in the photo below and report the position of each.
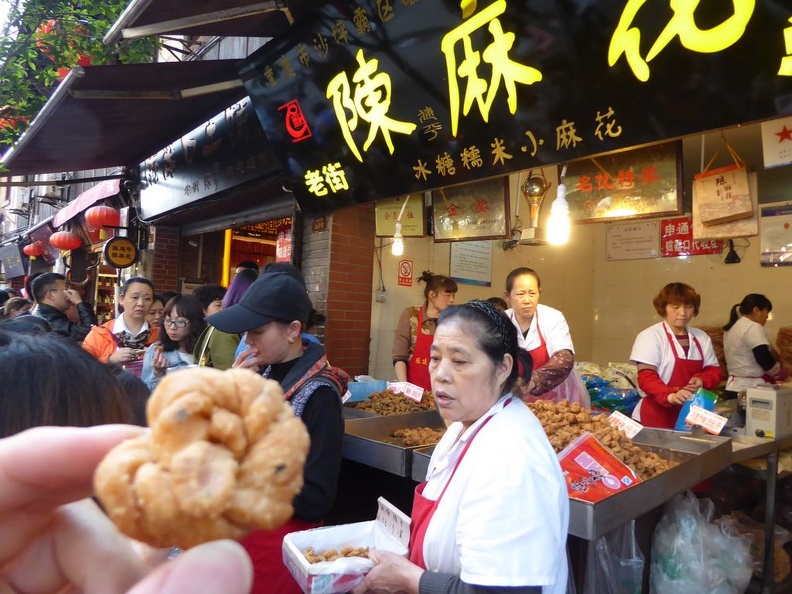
(784, 135)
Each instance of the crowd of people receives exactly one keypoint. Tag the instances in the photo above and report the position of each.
(474, 520)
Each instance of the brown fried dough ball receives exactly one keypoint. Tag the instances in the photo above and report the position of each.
(225, 456)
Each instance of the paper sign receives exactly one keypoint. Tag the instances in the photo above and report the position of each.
(412, 391)
(630, 427)
(395, 522)
(709, 421)
(347, 395)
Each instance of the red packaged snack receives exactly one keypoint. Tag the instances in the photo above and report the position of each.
(592, 472)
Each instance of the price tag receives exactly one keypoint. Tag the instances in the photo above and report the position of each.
(396, 523)
(412, 391)
(347, 395)
(622, 422)
(709, 421)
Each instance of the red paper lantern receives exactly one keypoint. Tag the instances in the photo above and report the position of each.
(65, 240)
(34, 249)
(101, 217)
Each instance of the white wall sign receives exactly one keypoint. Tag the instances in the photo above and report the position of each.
(471, 262)
(632, 241)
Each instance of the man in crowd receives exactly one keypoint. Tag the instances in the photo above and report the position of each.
(54, 299)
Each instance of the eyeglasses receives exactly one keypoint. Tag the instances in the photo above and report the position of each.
(179, 323)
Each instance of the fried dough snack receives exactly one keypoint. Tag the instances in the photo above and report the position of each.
(331, 554)
(563, 422)
(387, 402)
(418, 436)
(225, 456)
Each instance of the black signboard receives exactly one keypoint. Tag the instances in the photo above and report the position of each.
(381, 98)
(12, 260)
(228, 150)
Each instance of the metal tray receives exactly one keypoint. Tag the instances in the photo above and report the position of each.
(699, 455)
(369, 440)
(420, 463)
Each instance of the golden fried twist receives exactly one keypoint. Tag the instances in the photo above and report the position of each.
(225, 456)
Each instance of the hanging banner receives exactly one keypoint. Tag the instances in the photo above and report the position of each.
(368, 100)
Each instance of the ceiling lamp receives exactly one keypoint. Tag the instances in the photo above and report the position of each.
(558, 222)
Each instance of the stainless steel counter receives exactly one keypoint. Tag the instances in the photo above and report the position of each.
(370, 440)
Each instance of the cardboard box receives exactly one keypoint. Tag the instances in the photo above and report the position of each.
(389, 532)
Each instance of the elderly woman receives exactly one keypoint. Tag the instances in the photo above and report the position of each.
(673, 359)
(413, 334)
(274, 312)
(493, 513)
(544, 333)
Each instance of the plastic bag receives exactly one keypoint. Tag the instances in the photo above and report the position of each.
(572, 389)
(692, 555)
(702, 398)
(614, 563)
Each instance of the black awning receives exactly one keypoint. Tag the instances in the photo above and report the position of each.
(231, 18)
(109, 116)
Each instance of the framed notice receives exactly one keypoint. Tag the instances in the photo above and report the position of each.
(386, 213)
(632, 241)
(776, 235)
(631, 184)
(478, 210)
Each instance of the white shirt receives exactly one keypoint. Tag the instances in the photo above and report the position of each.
(120, 326)
(738, 342)
(652, 347)
(504, 517)
(553, 325)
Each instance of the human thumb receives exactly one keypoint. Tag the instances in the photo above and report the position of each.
(219, 567)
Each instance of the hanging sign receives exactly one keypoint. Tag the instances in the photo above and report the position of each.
(405, 273)
(120, 252)
(368, 100)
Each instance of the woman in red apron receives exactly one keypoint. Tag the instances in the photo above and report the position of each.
(544, 333)
(474, 520)
(415, 330)
(673, 359)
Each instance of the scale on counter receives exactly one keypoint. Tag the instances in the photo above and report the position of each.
(768, 411)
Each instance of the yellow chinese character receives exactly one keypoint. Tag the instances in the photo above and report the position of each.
(444, 164)
(335, 177)
(384, 10)
(499, 151)
(426, 114)
(786, 62)
(607, 121)
(432, 130)
(361, 20)
(496, 54)
(315, 182)
(471, 157)
(370, 103)
(287, 67)
(269, 74)
(566, 135)
(303, 56)
(421, 170)
(340, 32)
(532, 138)
(627, 39)
(320, 46)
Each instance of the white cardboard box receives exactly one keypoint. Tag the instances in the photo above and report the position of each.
(389, 532)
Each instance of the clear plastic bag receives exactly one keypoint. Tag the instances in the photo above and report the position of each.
(614, 563)
(692, 555)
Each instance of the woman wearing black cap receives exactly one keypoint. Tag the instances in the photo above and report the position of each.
(274, 312)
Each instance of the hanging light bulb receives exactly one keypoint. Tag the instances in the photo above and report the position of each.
(397, 247)
(558, 221)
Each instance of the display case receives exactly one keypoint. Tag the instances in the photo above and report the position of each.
(105, 295)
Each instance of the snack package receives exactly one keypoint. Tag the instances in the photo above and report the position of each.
(592, 472)
(702, 398)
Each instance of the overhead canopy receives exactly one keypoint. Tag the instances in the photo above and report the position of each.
(233, 18)
(108, 116)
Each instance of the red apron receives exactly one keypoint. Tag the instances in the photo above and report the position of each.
(665, 417)
(418, 365)
(423, 509)
(539, 355)
(265, 548)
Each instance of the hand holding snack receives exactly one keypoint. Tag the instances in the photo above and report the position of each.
(159, 364)
(225, 456)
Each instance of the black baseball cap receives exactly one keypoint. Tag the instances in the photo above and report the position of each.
(274, 296)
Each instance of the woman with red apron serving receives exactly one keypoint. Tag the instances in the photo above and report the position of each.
(474, 520)
(415, 330)
(673, 359)
(544, 333)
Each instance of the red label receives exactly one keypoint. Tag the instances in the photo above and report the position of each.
(405, 273)
(296, 124)
(676, 239)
